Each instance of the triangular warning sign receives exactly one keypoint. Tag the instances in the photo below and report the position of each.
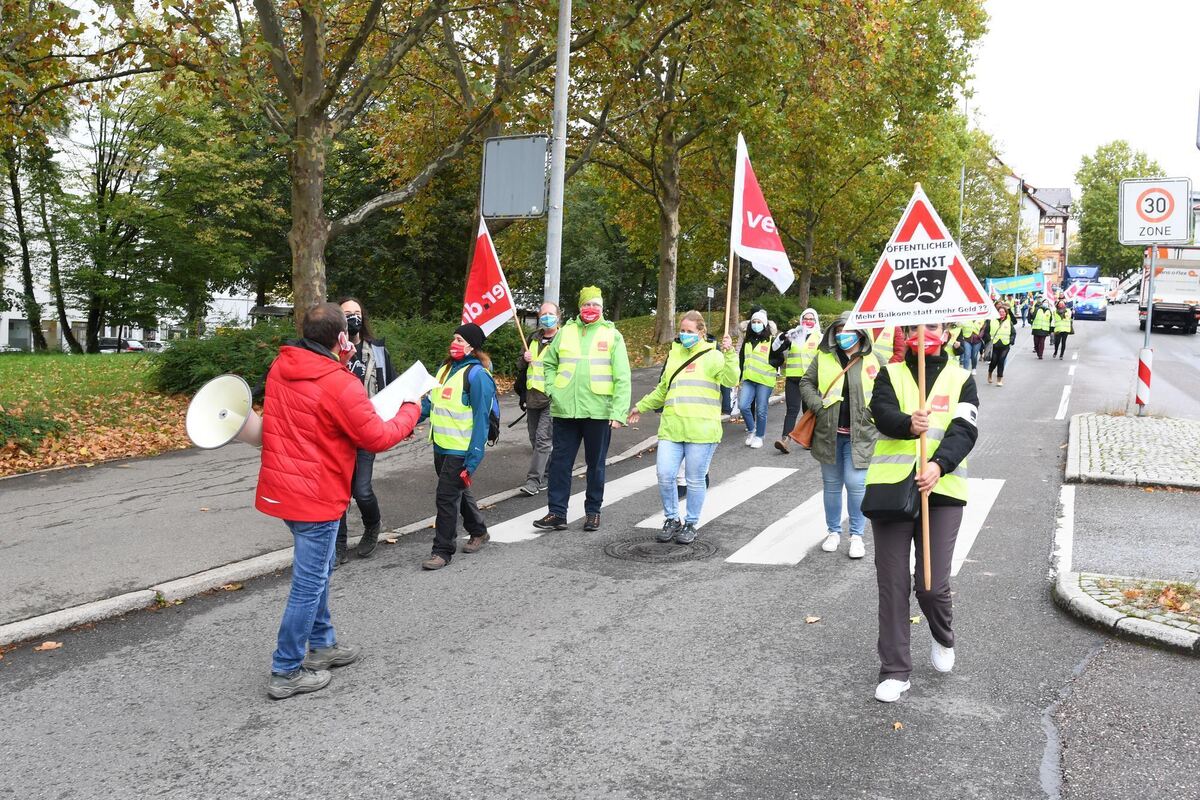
(922, 276)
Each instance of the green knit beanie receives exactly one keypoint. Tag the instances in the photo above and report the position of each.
(588, 293)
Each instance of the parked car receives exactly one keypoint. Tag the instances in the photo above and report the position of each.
(1094, 306)
(7, 349)
(157, 345)
(133, 346)
(112, 344)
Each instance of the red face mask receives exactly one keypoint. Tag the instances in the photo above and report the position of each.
(589, 314)
(457, 351)
(933, 343)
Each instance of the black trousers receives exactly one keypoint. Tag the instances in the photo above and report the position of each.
(364, 495)
(594, 434)
(793, 405)
(453, 499)
(1039, 342)
(999, 356)
(1060, 343)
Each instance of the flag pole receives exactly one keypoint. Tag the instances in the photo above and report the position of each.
(729, 284)
(520, 329)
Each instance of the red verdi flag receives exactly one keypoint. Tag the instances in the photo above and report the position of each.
(752, 229)
(487, 301)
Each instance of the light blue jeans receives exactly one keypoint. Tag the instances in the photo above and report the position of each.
(695, 458)
(835, 476)
(970, 354)
(306, 622)
(759, 396)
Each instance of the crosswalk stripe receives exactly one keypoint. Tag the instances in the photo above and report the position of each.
(981, 495)
(520, 529)
(789, 539)
(729, 493)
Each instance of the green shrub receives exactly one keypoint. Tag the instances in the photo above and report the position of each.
(413, 339)
(28, 430)
(187, 364)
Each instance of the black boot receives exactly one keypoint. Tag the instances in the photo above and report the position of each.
(339, 554)
(370, 538)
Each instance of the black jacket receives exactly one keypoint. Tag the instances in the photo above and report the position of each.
(894, 423)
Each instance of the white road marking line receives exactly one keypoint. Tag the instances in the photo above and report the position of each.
(1074, 356)
(1071, 370)
(1062, 404)
(728, 493)
(520, 529)
(790, 538)
(981, 495)
(1064, 531)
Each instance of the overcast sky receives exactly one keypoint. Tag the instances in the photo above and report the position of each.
(1054, 79)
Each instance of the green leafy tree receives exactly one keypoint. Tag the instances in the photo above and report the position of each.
(1099, 179)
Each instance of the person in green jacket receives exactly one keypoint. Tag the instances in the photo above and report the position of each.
(587, 378)
(689, 393)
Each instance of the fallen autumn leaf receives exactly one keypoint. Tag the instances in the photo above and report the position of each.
(232, 587)
(897, 726)
(47, 646)
(811, 620)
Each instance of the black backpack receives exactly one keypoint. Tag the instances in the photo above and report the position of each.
(493, 435)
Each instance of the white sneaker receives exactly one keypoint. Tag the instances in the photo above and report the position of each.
(942, 657)
(889, 691)
(857, 548)
(749, 440)
(756, 442)
(831, 542)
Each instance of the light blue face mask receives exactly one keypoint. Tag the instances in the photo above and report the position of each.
(548, 320)
(689, 340)
(847, 340)
(757, 327)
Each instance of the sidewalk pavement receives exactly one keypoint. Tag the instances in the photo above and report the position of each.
(1143, 538)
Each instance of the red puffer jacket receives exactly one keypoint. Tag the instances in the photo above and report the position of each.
(315, 415)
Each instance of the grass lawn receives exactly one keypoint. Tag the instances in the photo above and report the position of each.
(49, 382)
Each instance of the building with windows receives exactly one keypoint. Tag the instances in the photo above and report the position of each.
(1047, 213)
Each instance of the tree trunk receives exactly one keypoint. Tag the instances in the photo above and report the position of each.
(95, 319)
(310, 226)
(33, 309)
(668, 240)
(837, 277)
(60, 305)
(805, 282)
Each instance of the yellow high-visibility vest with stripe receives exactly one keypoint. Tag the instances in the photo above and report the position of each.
(895, 459)
(756, 364)
(535, 375)
(1001, 332)
(692, 394)
(886, 340)
(830, 379)
(1041, 320)
(954, 334)
(450, 419)
(1062, 322)
(799, 355)
(598, 360)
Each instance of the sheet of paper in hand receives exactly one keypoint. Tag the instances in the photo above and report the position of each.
(408, 388)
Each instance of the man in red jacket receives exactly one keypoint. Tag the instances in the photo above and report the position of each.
(315, 415)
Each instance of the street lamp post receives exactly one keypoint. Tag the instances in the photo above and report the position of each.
(558, 156)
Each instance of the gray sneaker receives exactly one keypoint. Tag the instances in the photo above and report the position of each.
(669, 529)
(531, 487)
(687, 535)
(328, 657)
(298, 681)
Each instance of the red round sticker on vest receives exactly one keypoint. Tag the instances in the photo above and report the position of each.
(690, 367)
(447, 393)
(872, 371)
(940, 402)
(602, 346)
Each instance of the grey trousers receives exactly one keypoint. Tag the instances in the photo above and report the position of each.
(892, 541)
(541, 438)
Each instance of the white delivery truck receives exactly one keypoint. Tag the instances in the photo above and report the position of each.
(1176, 289)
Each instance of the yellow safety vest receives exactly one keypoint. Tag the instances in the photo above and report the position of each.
(598, 359)
(800, 355)
(1041, 320)
(954, 332)
(450, 419)
(692, 393)
(535, 375)
(756, 367)
(1001, 332)
(1062, 323)
(886, 340)
(895, 459)
(830, 379)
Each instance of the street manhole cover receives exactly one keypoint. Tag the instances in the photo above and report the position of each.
(644, 548)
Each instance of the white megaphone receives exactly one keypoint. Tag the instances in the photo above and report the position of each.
(223, 411)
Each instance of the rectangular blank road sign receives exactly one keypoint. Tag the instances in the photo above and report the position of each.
(514, 176)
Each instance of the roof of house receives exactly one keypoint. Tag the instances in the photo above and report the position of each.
(1058, 199)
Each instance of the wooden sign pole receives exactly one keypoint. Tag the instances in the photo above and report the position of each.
(921, 466)
(729, 285)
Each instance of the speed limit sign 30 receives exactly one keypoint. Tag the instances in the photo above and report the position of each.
(1156, 211)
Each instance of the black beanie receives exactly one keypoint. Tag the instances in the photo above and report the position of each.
(472, 334)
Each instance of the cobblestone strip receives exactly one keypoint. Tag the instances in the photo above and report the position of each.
(1135, 451)
(1099, 601)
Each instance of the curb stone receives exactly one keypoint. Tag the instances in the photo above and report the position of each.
(1069, 597)
(254, 567)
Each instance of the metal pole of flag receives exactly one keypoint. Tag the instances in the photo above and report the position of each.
(558, 156)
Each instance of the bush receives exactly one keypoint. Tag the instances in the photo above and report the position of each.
(413, 339)
(187, 364)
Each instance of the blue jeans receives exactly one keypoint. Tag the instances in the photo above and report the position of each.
(695, 458)
(569, 433)
(306, 623)
(835, 476)
(758, 395)
(970, 354)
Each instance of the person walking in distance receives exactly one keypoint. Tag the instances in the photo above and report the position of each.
(316, 415)
(689, 394)
(1003, 335)
(530, 387)
(1041, 327)
(1063, 325)
(371, 364)
(587, 377)
(793, 351)
(837, 388)
(460, 413)
(949, 422)
(758, 377)
(971, 336)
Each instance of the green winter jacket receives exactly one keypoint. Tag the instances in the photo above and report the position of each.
(576, 400)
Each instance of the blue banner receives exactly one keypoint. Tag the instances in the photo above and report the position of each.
(1019, 284)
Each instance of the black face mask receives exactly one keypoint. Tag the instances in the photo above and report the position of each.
(353, 323)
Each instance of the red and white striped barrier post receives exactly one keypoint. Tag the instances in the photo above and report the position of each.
(1142, 397)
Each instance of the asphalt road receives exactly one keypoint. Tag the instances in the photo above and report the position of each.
(547, 669)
